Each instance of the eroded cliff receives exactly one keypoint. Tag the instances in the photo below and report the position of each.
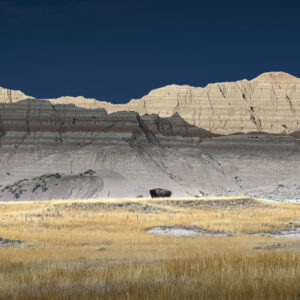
(269, 103)
(176, 137)
(131, 153)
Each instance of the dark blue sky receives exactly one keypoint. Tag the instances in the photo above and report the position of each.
(118, 50)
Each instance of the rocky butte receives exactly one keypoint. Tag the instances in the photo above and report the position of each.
(226, 138)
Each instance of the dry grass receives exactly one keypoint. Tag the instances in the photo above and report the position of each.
(99, 249)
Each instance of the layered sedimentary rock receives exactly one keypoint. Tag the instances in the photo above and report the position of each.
(132, 153)
(128, 151)
(171, 138)
(11, 96)
(269, 103)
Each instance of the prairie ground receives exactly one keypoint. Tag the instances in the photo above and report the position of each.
(100, 249)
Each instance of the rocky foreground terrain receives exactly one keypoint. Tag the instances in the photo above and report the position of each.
(226, 138)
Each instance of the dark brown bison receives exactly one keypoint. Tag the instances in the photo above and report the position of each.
(156, 193)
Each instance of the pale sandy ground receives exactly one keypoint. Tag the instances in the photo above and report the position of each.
(268, 168)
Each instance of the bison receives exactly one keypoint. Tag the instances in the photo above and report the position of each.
(156, 193)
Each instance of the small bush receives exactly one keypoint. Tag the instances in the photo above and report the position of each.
(140, 196)
(89, 172)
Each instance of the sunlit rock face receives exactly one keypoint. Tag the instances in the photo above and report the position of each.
(268, 103)
(11, 96)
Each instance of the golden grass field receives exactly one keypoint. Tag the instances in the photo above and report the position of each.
(99, 249)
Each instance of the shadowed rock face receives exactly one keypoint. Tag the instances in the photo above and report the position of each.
(37, 122)
(132, 153)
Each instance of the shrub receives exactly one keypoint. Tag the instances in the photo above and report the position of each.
(89, 172)
(48, 175)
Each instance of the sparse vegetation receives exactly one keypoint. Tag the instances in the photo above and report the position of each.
(89, 172)
(100, 249)
(17, 188)
(36, 187)
(48, 175)
(8, 242)
(268, 247)
(139, 196)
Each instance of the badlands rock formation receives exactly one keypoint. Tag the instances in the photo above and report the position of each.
(128, 152)
(11, 96)
(269, 103)
(157, 141)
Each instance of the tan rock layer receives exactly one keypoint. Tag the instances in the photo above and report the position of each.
(10, 96)
(268, 103)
